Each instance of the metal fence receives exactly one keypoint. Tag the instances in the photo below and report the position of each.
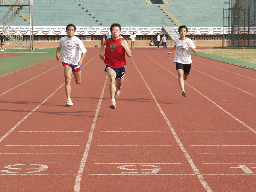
(240, 20)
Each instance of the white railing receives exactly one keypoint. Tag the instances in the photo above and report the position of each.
(16, 2)
(171, 31)
(8, 19)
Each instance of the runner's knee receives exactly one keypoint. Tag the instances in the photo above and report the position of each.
(112, 79)
(67, 80)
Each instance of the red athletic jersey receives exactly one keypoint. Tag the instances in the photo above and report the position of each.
(114, 53)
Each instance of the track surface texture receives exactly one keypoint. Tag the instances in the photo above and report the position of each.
(156, 140)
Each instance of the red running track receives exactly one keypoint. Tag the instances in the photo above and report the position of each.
(155, 140)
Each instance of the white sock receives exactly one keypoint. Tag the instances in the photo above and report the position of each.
(113, 100)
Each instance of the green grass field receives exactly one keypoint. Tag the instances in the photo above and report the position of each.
(16, 63)
(243, 57)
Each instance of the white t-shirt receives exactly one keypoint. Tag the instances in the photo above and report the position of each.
(182, 53)
(158, 38)
(164, 38)
(72, 49)
(132, 37)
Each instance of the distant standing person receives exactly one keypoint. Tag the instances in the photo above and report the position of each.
(2, 42)
(182, 58)
(108, 35)
(158, 39)
(114, 58)
(73, 55)
(164, 42)
(132, 37)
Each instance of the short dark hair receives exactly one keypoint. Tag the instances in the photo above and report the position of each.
(183, 26)
(115, 25)
(70, 25)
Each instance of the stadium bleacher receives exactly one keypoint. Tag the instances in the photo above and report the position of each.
(198, 14)
(129, 13)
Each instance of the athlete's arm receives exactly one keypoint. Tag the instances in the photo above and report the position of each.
(81, 59)
(101, 54)
(193, 49)
(124, 44)
(168, 54)
(58, 53)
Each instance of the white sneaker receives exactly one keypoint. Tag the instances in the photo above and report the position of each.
(69, 102)
(184, 94)
(113, 105)
(2, 49)
(117, 93)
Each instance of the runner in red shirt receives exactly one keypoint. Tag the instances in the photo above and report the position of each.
(114, 58)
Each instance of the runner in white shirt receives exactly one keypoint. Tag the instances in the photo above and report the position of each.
(182, 58)
(158, 39)
(132, 37)
(73, 55)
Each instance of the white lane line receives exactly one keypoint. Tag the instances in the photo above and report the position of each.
(37, 153)
(215, 131)
(222, 145)
(224, 70)
(113, 174)
(133, 154)
(134, 145)
(189, 159)
(152, 174)
(30, 113)
(88, 145)
(133, 131)
(225, 83)
(234, 174)
(145, 174)
(226, 153)
(51, 131)
(211, 101)
(137, 163)
(229, 163)
(34, 78)
(61, 174)
(27, 67)
(28, 81)
(42, 145)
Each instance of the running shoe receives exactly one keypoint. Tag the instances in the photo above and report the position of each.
(117, 93)
(69, 102)
(113, 105)
(184, 94)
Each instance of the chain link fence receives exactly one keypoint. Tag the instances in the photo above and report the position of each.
(239, 21)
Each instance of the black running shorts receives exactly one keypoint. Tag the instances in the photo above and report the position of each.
(185, 67)
(120, 72)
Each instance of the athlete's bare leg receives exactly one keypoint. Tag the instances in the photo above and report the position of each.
(132, 44)
(181, 78)
(119, 83)
(78, 77)
(67, 75)
(112, 87)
